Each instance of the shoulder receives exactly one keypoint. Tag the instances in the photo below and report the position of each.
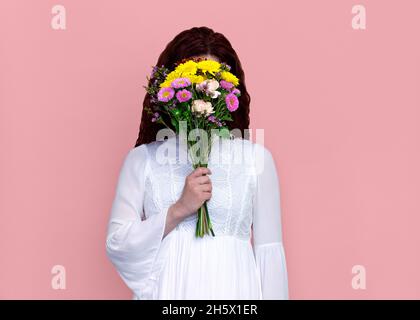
(257, 150)
(136, 157)
(137, 152)
(260, 155)
(252, 154)
(145, 150)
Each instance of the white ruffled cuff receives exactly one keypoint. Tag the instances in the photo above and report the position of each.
(271, 264)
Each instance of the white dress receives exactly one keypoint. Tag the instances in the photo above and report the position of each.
(231, 265)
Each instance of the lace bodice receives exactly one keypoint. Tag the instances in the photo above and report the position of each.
(233, 180)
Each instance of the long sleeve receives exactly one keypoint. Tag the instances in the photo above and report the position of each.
(267, 229)
(132, 242)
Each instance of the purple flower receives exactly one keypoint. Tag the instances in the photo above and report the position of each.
(156, 116)
(213, 119)
(226, 85)
(180, 83)
(152, 74)
(165, 94)
(183, 95)
(232, 102)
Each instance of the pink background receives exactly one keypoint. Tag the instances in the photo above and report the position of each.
(343, 128)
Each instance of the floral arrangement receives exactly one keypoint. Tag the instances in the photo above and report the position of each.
(203, 93)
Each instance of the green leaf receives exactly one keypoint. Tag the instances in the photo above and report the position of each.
(227, 116)
(174, 123)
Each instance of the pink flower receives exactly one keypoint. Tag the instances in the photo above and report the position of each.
(232, 102)
(236, 91)
(183, 95)
(166, 94)
(180, 83)
(226, 85)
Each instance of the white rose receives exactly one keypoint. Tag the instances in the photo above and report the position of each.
(210, 87)
(202, 107)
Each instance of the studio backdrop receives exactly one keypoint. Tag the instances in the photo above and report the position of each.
(335, 85)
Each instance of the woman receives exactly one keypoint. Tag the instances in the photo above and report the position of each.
(151, 235)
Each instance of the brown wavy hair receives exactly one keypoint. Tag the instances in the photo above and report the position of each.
(189, 43)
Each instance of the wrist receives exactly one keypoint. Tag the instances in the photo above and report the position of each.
(177, 211)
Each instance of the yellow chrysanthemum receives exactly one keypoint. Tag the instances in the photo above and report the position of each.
(210, 66)
(169, 78)
(196, 79)
(165, 84)
(230, 77)
(187, 68)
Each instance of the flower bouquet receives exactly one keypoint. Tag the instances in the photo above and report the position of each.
(201, 93)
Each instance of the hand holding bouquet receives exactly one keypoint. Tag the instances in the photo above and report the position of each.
(201, 93)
